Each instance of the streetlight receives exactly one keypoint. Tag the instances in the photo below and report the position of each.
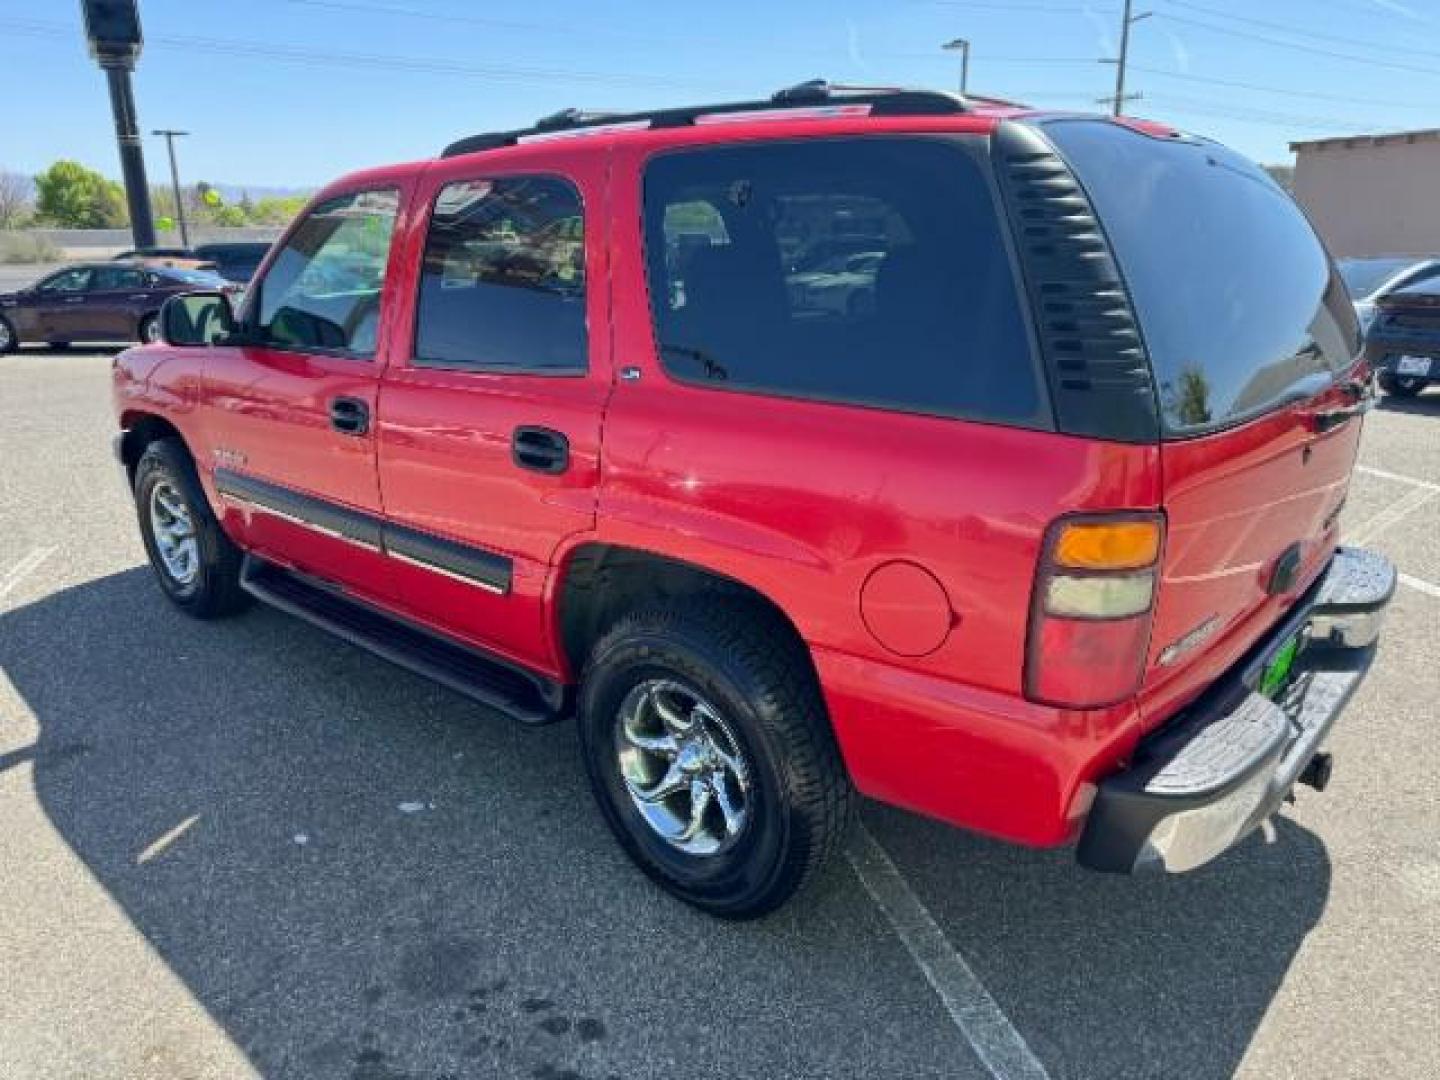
(170, 136)
(113, 30)
(964, 46)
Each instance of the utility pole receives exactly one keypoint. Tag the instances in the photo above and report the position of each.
(113, 30)
(170, 137)
(964, 46)
(1117, 103)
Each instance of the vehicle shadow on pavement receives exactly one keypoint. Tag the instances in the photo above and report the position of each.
(1426, 403)
(382, 882)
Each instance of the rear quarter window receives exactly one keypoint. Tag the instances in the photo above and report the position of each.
(870, 271)
(1239, 303)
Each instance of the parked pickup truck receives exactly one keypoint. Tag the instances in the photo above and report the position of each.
(1039, 539)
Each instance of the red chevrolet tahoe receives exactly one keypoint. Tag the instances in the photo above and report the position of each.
(983, 461)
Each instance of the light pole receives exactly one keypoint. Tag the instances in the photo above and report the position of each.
(964, 46)
(113, 30)
(1126, 21)
(170, 137)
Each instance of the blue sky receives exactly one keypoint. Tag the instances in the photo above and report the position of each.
(294, 92)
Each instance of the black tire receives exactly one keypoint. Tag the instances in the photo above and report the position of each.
(1401, 385)
(214, 590)
(147, 327)
(747, 663)
(9, 339)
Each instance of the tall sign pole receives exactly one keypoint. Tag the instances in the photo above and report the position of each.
(112, 28)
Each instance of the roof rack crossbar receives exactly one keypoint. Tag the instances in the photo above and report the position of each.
(883, 101)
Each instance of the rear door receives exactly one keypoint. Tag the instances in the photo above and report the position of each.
(489, 433)
(1254, 343)
(119, 296)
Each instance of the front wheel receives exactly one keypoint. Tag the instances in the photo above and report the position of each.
(709, 752)
(149, 330)
(196, 564)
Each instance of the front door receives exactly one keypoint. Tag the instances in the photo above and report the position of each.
(58, 305)
(489, 440)
(291, 412)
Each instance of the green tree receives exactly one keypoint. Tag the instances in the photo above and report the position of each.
(71, 196)
(278, 210)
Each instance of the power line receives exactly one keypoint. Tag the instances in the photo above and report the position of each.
(1207, 107)
(1367, 43)
(289, 54)
(1249, 35)
(1306, 94)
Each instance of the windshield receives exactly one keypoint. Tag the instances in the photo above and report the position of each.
(1238, 302)
(193, 277)
(1364, 276)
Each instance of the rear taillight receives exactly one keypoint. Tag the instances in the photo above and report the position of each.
(1090, 620)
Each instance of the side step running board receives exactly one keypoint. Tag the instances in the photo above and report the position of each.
(524, 695)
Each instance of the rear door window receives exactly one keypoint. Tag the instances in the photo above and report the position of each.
(502, 286)
(863, 270)
(1240, 306)
(116, 278)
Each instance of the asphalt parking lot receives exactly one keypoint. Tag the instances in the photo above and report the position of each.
(244, 848)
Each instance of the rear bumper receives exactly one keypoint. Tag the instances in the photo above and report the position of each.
(1207, 779)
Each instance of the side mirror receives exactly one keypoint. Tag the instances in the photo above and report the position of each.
(197, 318)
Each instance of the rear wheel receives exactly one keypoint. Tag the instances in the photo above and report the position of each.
(710, 754)
(9, 340)
(196, 564)
(149, 330)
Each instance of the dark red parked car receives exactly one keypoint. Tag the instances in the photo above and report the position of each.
(1041, 539)
(105, 301)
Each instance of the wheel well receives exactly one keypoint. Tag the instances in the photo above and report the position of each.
(603, 581)
(141, 430)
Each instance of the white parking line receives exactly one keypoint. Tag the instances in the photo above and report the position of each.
(1397, 510)
(27, 565)
(1001, 1048)
(1384, 474)
(1420, 585)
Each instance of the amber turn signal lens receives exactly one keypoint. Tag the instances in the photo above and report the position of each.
(1111, 545)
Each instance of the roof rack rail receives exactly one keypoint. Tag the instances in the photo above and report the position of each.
(883, 101)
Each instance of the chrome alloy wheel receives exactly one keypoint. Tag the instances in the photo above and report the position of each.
(6, 340)
(173, 529)
(683, 767)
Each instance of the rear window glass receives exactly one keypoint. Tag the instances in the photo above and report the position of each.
(870, 271)
(1240, 305)
(1364, 276)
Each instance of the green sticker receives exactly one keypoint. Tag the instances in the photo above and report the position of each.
(1277, 672)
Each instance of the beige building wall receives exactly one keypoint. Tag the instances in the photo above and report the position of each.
(1373, 195)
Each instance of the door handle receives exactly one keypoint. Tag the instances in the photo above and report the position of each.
(349, 416)
(74, 299)
(540, 449)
